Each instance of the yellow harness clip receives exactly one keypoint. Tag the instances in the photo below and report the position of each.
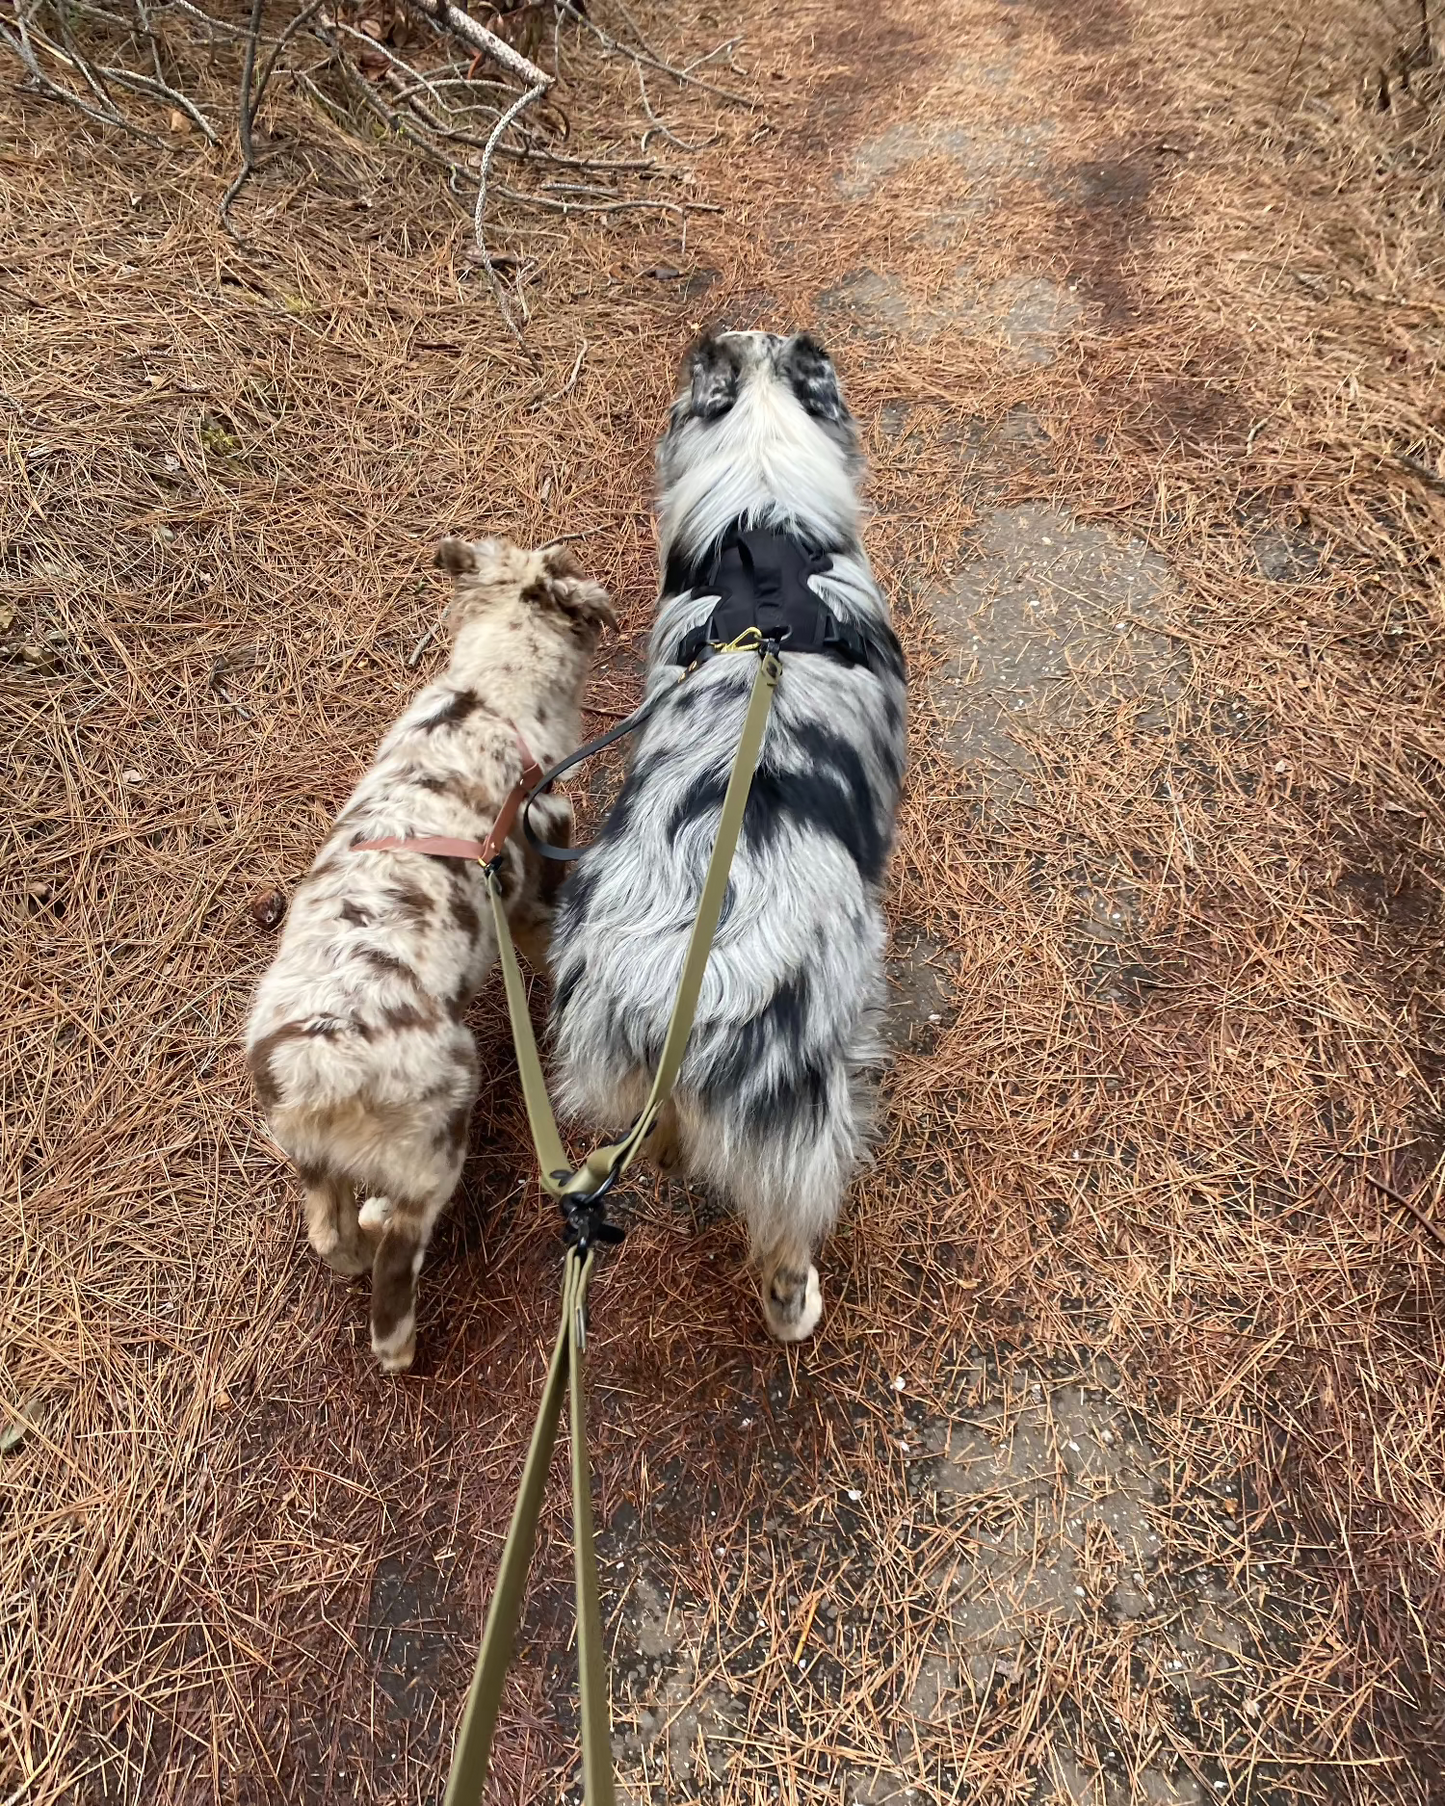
(749, 640)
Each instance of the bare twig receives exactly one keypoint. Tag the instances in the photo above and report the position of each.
(681, 208)
(20, 44)
(723, 50)
(104, 14)
(1428, 1224)
(1422, 472)
(393, 121)
(543, 401)
(160, 90)
(1185, 841)
(77, 62)
(658, 126)
(223, 26)
(143, 18)
(413, 658)
(534, 154)
(452, 19)
(608, 42)
(635, 29)
(437, 82)
(518, 106)
(303, 18)
(396, 62)
(248, 154)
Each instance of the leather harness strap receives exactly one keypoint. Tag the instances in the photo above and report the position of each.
(440, 845)
(443, 846)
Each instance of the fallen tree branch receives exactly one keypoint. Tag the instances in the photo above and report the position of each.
(449, 18)
(431, 99)
(461, 25)
(518, 106)
(396, 62)
(394, 122)
(162, 90)
(223, 26)
(21, 44)
(304, 17)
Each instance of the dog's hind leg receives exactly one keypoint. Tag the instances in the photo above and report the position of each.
(431, 1156)
(331, 1225)
(406, 1231)
(394, 1272)
(787, 1175)
(792, 1297)
(787, 1223)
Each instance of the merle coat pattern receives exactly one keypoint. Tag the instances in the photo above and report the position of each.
(356, 1042)
(773, 1104)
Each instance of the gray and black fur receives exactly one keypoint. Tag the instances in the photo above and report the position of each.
(773, 1104)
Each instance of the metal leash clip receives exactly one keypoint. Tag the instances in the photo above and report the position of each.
(749, 640)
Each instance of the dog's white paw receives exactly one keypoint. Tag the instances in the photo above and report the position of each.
(375, 1214)
(798, 1326)
(394, 1353)
(811, 1314)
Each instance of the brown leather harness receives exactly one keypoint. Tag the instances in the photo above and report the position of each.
(444, 846)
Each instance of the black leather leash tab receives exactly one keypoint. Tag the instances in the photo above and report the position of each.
(545, 782)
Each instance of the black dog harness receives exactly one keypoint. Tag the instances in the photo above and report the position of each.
(761, 579)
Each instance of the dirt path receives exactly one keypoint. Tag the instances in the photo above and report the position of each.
(1116, 1472)
(957, 1552)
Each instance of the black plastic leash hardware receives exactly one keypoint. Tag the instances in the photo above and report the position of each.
(584, 1216)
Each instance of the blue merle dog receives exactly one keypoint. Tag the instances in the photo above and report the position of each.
(773, 1106)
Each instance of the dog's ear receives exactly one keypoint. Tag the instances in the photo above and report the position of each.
(558, 561)
(583, 601)
(456, 555)
(562, 586)
(569, 588)
(808, 371)
(713, 368)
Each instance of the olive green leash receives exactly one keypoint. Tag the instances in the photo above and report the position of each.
(474, 1741)
(582, 1193)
